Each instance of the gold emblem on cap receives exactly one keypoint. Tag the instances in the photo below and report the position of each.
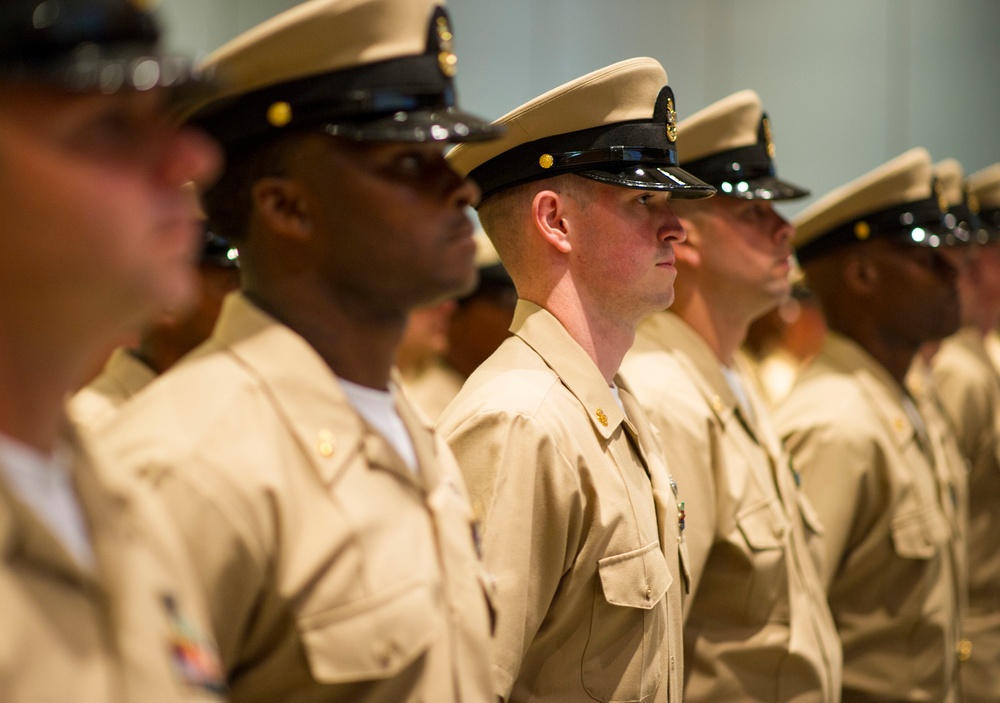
(279, 114)
(941, 200)
(862, 230)
(447, 61)
(601, 417)
(671, 121)
(546, 161)
(768, 138)
(971, 201)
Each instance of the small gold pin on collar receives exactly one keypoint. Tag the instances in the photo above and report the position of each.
(325, 443)
(601, 417)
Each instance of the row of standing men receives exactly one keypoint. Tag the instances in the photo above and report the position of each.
(332, 547)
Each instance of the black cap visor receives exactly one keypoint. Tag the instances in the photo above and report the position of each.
(443, 124)
(920, 223)
(762, 188)
(674, 179)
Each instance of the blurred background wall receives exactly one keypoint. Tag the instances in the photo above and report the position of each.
(848, 84)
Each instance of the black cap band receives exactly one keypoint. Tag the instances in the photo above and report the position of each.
(920, 223)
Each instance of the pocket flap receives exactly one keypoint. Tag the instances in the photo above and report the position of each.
(762, 527)
(372, 638)
(635, 579)
(919, 534)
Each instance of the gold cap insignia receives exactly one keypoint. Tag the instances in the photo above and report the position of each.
(769, 138)
(279, 114)
(671, 121)
(941, 200)
(971, 201)
(601, 417)
(862, 230)
(546, 161)
(447, 61)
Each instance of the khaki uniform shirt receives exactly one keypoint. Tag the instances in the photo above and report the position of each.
(757, 625)
(882, 488)
(433, 387)
(121, 378)
(334, 571)
(580, 523)
(135, 630)
(968, 387)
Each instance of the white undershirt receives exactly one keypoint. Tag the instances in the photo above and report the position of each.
(379, 409)
(614, 391)
(735, 382)
(45, 484)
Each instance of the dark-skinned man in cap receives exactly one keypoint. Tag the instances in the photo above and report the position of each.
(874, 468)
(330, 526)
(967, 386)
(757, 626)
(580, 520)
(98, 601)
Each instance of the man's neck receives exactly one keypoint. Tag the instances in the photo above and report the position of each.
(723, 328)
(357, 344)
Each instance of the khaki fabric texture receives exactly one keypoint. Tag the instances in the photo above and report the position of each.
(580, 524)
(121, 378)
(432, 387)
(888, 501)
(757, 626)
(969, 390)
(70, 634)
(334, 572)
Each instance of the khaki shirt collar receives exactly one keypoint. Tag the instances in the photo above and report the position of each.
(330, 432)
(127, 373)
(541, 331)
(878, 384)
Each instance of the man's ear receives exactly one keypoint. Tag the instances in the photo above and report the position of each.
(284, 207)
(548, 214)
(861, 273)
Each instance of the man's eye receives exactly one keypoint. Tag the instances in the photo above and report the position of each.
(644, 199)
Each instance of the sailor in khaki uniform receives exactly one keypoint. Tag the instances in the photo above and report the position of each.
(757, 626)
(874, 468)
(164, 342)
(330, 527)
(968, 388)
(98, 601)
(580, 519)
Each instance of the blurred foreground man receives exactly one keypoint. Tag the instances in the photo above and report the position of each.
(968, 387)
(581, 528)
(330, 527)
(757, 626)
(875, 470)
(98, 602)
(162, 343)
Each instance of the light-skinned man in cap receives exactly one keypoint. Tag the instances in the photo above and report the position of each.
(330, 526)
(968, 388)
(98, 601)
(757, 626)
(580, 520)
(872, 465)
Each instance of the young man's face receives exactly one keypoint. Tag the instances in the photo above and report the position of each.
(393, 231)
(744, 250)
(93, 220)
(623, 247)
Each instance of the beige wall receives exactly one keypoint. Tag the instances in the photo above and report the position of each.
(848, 83)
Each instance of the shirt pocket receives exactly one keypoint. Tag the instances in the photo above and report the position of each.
(374, 637)
(764, 530)
(622, 658)
(919, 533)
